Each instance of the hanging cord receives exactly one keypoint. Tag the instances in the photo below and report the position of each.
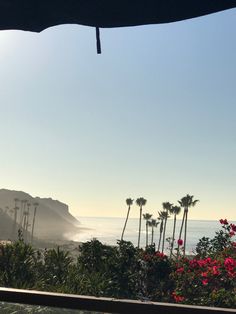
(99, 51)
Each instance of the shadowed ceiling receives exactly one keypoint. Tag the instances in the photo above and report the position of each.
(37, 15)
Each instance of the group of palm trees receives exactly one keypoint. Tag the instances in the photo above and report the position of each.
(168, 209)
(21, 220)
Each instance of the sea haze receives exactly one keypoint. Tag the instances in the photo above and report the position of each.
(108, 230)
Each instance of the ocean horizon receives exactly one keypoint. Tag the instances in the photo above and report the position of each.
(108, 230)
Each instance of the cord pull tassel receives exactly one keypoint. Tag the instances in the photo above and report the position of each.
(99, 51)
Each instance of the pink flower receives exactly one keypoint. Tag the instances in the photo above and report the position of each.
(180, 242)
(180, 270)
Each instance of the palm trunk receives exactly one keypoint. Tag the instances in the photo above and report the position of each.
(152, 235)
(27, 226)
(139, 231)
(32, 234)
(164, 234)
(127, 217)
(173, 237)
(185, 230)
(21, 214)
(21, 221)
(181, 230)
(24, 228)
(146, 234)
(159, 244)
(14, 226)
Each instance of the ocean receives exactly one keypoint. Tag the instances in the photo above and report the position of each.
(108, 230)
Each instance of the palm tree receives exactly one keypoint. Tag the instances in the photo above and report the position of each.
(185, 202)
(153, 224)
(175, 210)
(167, 207)
(16, 200)
(140, 202)
(24, 224)
(129, 203)
(147, 217)
(27, 220)
(35, 209)
(23, 211)
(15, 209)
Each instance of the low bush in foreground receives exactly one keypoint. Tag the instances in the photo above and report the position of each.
(123, 271)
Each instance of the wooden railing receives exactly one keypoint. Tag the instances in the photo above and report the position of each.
(107, 305)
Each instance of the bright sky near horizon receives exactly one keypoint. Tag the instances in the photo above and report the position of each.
(153, 116)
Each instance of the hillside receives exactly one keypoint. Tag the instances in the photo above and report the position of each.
(53, 220)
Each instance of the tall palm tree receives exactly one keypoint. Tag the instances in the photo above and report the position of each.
(24, 224)
(129, 203)
(175, 210)
(185, 202)
(27, 220)
(15, 210)
(35, 210)
(16, 200)
(140, 202)
(147, 217)
(167, 207)
(23, 211)
(153, 224)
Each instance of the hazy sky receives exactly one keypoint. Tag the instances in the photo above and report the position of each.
(153, 116)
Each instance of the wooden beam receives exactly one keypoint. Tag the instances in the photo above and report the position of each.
(106, 305)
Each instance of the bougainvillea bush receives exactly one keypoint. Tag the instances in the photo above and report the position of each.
(123, 271)
(210, 277)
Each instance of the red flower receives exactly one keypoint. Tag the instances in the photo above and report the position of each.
(224, 221)
(232, 233)
(229, 263)
(205, 282)
(180, 242)
(177, 298)
(147, 257)
(180, 270)
(159, 254)
(204, 274)
(233, 227)
(215, 270)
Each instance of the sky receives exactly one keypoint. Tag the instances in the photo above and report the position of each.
(153, 116)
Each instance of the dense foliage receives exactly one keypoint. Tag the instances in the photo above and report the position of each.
(123, 271)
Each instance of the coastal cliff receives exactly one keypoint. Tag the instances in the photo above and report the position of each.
(53, 220)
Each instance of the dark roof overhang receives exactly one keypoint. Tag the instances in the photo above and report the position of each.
(37, 15)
